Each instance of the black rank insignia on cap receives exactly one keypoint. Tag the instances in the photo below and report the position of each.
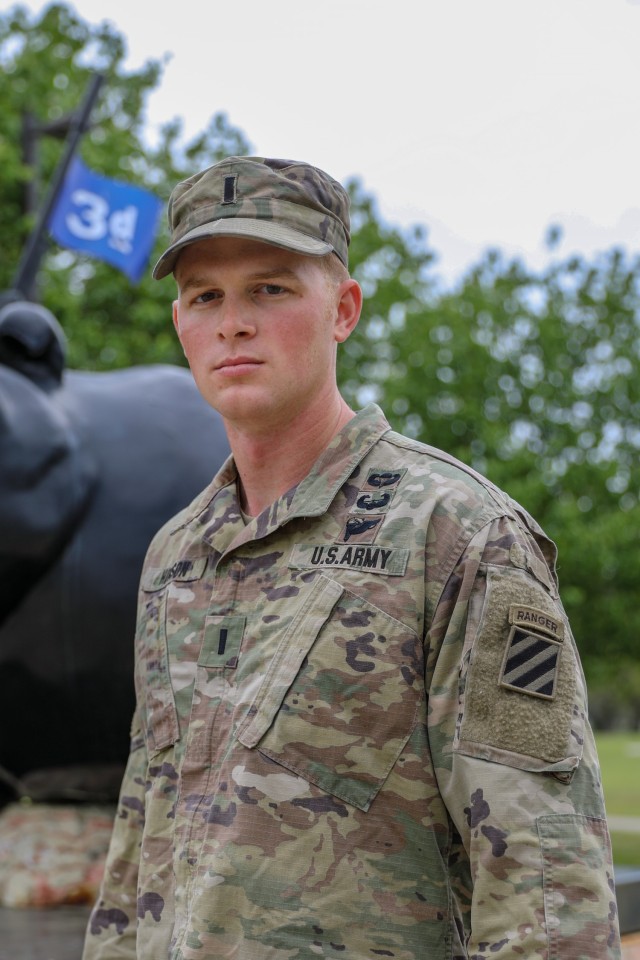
(532, 656)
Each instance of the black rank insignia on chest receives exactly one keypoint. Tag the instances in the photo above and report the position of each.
(533, 652)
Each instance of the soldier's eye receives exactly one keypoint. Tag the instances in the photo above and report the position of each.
(208, 296)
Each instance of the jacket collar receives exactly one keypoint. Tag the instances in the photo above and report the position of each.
(218, 507)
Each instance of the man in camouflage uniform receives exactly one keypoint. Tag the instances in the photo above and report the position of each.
(361, 727)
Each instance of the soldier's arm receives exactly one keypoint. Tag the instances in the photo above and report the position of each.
(111, 933)
(515, 758)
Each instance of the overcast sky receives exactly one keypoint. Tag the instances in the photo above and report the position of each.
(484, 120)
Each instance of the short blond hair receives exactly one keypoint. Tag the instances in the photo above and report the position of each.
(334, 269)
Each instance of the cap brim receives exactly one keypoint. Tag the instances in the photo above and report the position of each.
(265, 231)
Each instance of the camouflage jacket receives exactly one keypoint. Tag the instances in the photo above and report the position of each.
(360, 729)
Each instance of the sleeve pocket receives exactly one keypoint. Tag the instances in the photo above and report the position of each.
(506, 718)
(579, 899)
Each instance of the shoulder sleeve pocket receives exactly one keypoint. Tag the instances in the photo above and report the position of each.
(523, 700)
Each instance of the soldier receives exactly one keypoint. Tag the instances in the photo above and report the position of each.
(361, 722)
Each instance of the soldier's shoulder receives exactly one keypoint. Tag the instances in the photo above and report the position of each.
(448, 476)
(456, 491)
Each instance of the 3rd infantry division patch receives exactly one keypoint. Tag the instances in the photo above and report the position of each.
(532, 656)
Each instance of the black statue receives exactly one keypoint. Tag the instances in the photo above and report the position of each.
(91, 464)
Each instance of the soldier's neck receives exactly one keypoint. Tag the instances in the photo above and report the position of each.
(274, 461)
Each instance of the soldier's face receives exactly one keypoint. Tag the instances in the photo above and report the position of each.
(259, 326)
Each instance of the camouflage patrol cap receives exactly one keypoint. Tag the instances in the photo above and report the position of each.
(282, 202)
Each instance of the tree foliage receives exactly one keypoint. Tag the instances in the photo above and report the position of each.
(47, 62)
(531, 377)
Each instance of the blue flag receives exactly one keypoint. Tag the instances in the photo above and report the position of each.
(107, 219)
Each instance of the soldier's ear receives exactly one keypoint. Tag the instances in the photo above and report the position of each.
(349, 307)
(176, 321)
(32, 342)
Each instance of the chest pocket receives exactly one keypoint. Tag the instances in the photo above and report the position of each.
(341, 695)
(153, 679)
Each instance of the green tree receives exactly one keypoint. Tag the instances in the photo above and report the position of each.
(533, 379)
(46, 63)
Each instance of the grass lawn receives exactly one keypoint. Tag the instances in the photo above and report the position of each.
(620, 763)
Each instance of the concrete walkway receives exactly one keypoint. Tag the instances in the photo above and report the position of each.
(53, 934)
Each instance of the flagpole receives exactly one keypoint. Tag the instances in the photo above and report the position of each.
(34, 249)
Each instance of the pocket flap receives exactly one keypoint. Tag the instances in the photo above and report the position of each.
(292, 649)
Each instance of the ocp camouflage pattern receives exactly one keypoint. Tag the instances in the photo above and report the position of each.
(326, 760)
(283, 193)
